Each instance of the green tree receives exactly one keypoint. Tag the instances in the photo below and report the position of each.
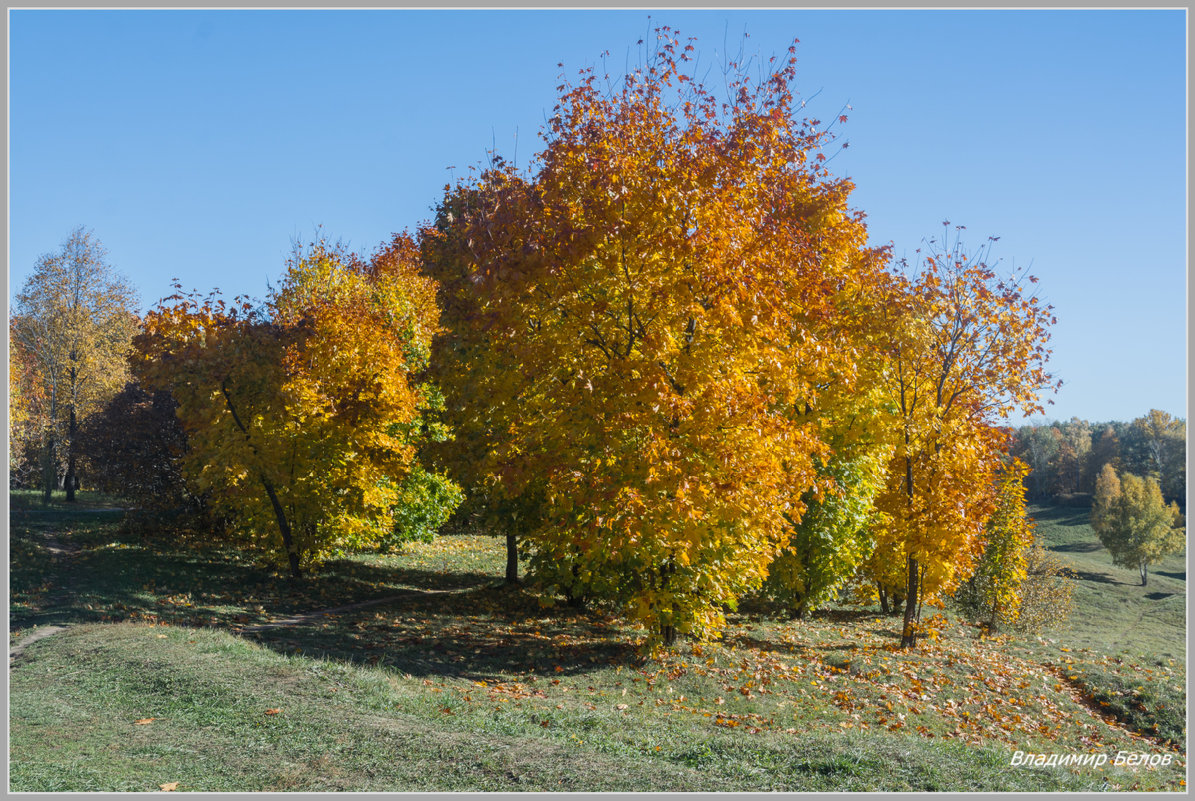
(1133, 521)
(834, 535)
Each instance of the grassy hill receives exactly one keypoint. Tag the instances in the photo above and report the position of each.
(173, 668)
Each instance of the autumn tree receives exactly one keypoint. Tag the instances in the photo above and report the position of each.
(1105, 503)
(303, 415)
(480, 384)
(1039, 447)
(994, 589)
(1045, 593)
(74, 319)
(664, 289)
(1133, 521)
(966, 348)
(25, 410)
(1105, 450)
(1074, 451)
(1156, 446)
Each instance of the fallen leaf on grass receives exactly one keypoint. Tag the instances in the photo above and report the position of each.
(169, 786)
(143, 721)
(273, 711)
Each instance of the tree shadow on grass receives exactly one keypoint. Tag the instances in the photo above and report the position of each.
(486, 633)
(1181, 575)
(1077, 547)
(1089, 575)
(118, 576)
(434, 623)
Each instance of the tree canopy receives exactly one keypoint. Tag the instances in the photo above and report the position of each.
(304, 415)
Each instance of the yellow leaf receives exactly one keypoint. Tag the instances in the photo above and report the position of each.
(169, 786)
(143, 721)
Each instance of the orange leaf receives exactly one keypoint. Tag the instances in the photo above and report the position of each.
(143, 721)
(169, 786)
(273, 711)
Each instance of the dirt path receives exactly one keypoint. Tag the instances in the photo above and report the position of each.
(64, 551)
(29, 638)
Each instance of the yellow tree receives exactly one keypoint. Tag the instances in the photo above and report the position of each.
(24, 401)
(966, 349)
(303, 417)
(665, 295)
(1134, 522)
(994, 589)
(1161, 450)
(73, 320)
(480, 386)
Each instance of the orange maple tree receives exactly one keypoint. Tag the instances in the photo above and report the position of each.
(667, 294)
(966, 348)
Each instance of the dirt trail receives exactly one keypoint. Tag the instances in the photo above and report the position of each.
(63, 551)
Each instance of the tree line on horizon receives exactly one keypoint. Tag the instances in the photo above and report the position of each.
(1066, 458)
(663, 363)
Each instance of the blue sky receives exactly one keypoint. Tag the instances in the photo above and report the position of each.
(199, 144)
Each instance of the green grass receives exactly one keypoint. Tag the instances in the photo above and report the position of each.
(1124, 646)
(1113, 612)
(344, 727)
(459, 684)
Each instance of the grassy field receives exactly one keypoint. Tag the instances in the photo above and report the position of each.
(170, 672)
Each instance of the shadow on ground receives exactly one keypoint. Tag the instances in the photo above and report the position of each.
(435, 623)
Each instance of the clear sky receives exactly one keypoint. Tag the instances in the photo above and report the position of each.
(199, 144)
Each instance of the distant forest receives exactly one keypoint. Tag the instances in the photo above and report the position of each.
(1065, 458)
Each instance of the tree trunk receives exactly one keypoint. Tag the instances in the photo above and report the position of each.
(1144, 573)
(908, 636)
(512, 559)
(668, 634)
(288, 541)
(574, 598)
(884, 608)
(799, 610)
(49, 470)
(70, 480)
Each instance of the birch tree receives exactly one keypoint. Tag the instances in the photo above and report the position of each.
(74, 319)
